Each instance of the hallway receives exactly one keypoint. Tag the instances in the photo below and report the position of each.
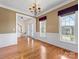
(29, 48)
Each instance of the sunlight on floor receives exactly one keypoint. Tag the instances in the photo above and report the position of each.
(28, 39)
(64, 57)
(43, 52)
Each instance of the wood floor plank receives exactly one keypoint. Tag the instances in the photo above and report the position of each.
(29, 48)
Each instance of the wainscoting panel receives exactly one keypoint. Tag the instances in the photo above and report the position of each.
(8, 39)
(53, 38)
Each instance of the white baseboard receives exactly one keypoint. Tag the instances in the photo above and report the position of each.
(8, 39)
(53, 38)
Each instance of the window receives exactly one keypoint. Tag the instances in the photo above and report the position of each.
(43, 28)
(68, 27)
(30, 29)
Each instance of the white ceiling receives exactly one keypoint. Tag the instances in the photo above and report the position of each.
(23, 5)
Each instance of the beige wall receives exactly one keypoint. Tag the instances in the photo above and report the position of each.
(52, 25)
(7, 21)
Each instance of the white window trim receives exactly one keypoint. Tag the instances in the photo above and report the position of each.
(44, 30)
(76, 30)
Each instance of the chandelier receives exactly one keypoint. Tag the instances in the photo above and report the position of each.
(35, 8)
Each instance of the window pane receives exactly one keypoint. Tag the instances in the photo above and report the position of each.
(67, 27)
(42, 28)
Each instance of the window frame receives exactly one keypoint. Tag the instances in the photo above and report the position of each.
(75, 30)
(43, 34)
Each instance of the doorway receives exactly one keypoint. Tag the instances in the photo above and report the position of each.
(25, 25)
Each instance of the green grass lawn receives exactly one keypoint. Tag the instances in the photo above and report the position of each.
(68, 37)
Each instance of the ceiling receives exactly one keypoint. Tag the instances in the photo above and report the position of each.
(23, 5)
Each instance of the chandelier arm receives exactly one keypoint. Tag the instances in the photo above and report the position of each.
(35, 9)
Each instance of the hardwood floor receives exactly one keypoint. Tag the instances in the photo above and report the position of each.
(28, 48)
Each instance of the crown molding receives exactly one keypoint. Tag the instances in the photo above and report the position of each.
(16, 10)
(21, 12)
(67, 2)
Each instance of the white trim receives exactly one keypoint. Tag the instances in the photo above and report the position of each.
(53, 39)
(8, 39)
(75, 30)
(16, 10)
(43, 23)
(60, 28)
(69, 1)
(39, 14)
(25, 21)
(76, 27)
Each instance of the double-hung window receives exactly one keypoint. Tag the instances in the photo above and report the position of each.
(42, 26)
(68, 25)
